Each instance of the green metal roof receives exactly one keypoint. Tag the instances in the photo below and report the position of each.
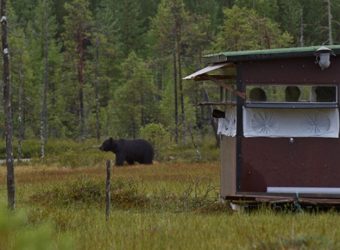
(234, 56)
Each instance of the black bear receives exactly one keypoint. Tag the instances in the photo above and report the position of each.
(130, 151)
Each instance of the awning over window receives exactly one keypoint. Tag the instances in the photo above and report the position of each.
(204, 71)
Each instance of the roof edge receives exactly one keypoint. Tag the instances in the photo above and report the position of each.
(247, 55)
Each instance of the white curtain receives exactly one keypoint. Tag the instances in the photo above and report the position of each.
(290, 122)
(227, 125)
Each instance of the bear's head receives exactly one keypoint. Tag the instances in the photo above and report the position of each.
(109, 145)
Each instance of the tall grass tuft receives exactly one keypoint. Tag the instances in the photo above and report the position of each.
(131, 194)
(17, 233)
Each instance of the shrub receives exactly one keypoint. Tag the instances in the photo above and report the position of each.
(130, 194)
(206, 151)
(158, 136)
(30, 148)
(124, 194)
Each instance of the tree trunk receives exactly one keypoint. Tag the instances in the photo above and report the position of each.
(175, 99)
(7, 109)
(53, 131)
(43, 115)
(80, 68)
(142, 113)
(329, 14)
(159, 68)
(134, 128)
(177, 39)
(180, 83)
(21, 110)
(96, 84)
(302, 29)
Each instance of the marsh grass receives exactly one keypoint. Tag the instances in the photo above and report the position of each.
(72, 154)
(129, 194)
(135, 229)
(164, 206)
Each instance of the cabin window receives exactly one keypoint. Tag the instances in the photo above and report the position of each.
(291, 111)
(285, 96)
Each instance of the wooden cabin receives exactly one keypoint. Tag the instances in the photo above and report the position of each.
(280, 134)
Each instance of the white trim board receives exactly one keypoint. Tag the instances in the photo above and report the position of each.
(304, 190)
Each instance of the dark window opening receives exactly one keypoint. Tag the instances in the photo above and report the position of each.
(291, 93)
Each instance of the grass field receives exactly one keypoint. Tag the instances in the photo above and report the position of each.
(164, 206)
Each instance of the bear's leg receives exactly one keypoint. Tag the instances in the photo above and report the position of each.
(120, 158)
(130, 161)
(147, 159)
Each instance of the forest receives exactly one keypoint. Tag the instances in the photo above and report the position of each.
(83, 69)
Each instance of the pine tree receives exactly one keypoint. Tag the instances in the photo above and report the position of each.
(289, 17)
(134, 102)
(23, 10)
(167, 30)
(179, 39)
(244, 29)
(107, 58)
(22, 86)
(77, 39)
(42, 30)
(129, 24)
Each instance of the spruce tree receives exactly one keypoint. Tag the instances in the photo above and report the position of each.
(135, 105)
(244, 29)
(77, 39)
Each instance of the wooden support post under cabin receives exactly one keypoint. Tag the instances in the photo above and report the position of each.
(108, 184)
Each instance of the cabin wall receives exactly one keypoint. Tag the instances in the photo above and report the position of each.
(281, 162)
(289, 71)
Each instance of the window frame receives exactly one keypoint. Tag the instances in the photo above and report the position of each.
(291, 104)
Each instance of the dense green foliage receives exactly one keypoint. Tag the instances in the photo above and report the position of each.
(88, 69)
(109, 68)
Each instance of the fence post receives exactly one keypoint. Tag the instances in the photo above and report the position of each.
(108, 184)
